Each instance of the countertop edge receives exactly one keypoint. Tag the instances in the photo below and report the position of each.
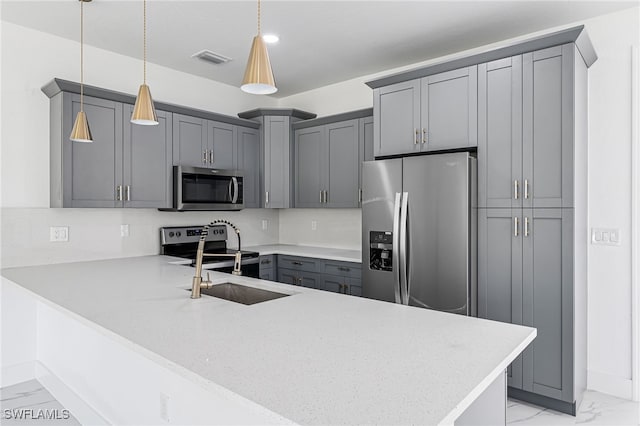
(295, 250)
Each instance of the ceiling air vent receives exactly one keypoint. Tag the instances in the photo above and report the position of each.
(212, 57)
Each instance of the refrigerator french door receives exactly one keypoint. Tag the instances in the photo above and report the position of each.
(419, 231)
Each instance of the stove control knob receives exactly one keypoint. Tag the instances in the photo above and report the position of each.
(178, 234)
(171, 234)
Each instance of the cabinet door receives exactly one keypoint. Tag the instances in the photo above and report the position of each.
(548, 302)
(500, 273)
(289, 276)
(341, 176)
(147, 162)
(396, 109)
(309, 165)
(333, 283)
(547, 127)
(276, 162)
(189, 141)
(268, 274)
(248, 161)
(500, 133)
(354, 287)
(309, 279)
(449, 110)
(221, 140)
(365, 136)
(92, 171)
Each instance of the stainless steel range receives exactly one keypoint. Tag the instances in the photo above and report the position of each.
(182, 241)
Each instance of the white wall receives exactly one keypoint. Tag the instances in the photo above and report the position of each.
(337, 228)
(609, 275)
(30, 59)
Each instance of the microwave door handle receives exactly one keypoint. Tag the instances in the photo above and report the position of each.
(234, 198)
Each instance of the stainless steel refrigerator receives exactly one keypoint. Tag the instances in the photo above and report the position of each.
(419, 221)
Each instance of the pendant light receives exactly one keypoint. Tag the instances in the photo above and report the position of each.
(144, 112)
(258, 77)
(80, 131)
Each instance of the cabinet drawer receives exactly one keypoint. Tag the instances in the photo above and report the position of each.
(267, 262)
(343, 269)
(297, 263)
(301, 278)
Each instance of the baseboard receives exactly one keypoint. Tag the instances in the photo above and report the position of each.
(612, 385)
(542, 401)
(67, 397)
(17, 373)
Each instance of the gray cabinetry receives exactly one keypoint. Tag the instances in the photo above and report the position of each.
(147, 157)
(248, 161)
(189, 141)
(276, 161)
(125, 166)
(220, 147)
(310, 167)
(342, 170)
(267, 268)
(432, 113)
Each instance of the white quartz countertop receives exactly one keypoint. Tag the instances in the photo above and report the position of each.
(314, 357)
(309, 251)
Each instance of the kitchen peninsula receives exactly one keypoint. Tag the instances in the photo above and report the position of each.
(124, 335)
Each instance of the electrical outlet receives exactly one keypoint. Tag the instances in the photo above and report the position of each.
(164, 407)
(265, 224)
(314, 225)
(124, 230)
(59, 233)
(605, 236)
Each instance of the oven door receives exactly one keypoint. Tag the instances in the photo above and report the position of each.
(249, 267)
(199, 188)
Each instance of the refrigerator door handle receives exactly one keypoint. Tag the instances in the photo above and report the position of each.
(404, 255)
(396, 261)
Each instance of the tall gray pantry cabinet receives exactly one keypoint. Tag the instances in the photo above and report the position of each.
(532, 149)
(528, 106)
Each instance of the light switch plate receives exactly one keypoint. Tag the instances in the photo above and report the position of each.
(605, 236)
(59, 234)
(265, 224)
(314, 225)
(124, 230)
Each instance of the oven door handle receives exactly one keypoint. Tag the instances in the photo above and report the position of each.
(234, 198)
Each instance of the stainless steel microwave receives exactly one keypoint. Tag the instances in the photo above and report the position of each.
(199, 188)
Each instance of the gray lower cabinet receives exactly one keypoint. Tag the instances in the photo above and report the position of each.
(268, 268)
(526, 130)
(321, 274)
(432, 113)
(125, 166)
(248, 161)
(525, 276)
(301, 278)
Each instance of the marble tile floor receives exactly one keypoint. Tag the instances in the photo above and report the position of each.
(596, 409)
(29, 403)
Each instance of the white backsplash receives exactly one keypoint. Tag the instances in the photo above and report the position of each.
(95, 233)
(337, 228)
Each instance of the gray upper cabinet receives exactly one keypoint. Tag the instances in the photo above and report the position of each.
(220, 147)
(396, 110)
(547, 166)
(500, 133)
(276, 161)
(91, 172)
(366, 149)
(449, 110)
(147, 157)
(310, 165)
(436, 112)
(327, 161)
(248, 161)
(189, 141)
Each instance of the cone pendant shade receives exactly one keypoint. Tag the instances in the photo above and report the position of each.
(81, 132)
(258, 77)
(144, 112)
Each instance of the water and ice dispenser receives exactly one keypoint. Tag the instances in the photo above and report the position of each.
(381, 250)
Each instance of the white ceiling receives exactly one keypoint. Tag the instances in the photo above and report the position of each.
(321, 42)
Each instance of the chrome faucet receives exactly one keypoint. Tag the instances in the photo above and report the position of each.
(197, 283)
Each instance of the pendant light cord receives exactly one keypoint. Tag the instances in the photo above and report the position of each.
(144, 14)
(258, 17)
(81, 55)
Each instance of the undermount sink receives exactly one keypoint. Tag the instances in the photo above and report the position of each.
(240, 293)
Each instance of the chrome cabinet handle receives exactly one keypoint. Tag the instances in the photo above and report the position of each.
(344, 269)
(296, 263)
(119, 193)
(265, 261)
(515, 226)
(526, 226)
(211, 156)
(325, 196)
(360, 195)
(204, 156)
(321, 196)
(417, 139)
(127, 191)
(526, 189)
(266, 197)
(424, 136)
(515, 189)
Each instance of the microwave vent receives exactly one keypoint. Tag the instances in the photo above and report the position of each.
(212, 57)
